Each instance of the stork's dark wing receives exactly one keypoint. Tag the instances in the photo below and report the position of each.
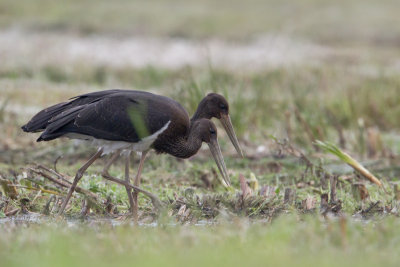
(41, 120)
(116, 118)
(96, 95)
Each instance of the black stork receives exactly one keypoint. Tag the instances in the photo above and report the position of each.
(117, 120)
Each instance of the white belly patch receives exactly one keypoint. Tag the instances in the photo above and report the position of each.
(111, 146)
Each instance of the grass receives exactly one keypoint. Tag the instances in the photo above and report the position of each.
(331, 148)
(287, 241)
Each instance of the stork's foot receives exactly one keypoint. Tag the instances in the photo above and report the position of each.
(105, 173)
(108, 177)
(154, 199)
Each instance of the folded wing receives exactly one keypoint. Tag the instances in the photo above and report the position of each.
(115, 118)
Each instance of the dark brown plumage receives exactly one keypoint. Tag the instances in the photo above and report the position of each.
(135, 121)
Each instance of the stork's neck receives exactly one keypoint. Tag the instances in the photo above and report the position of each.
(184, 146)
(200, 113)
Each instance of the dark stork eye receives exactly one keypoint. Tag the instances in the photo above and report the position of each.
(212, 131)
(222, 106)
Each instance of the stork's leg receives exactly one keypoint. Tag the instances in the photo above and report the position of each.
(110, 162)
(78, 176)
(156, 202)
(106, 174)
(137, 183)
(128, 189)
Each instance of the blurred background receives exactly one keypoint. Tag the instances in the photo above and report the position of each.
(298, 70)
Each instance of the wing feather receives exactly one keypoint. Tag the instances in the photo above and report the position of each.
(110, 118)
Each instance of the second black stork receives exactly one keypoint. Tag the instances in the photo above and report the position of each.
(125, 120)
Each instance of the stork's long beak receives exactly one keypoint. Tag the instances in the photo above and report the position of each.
(227, 123)
(216, 152)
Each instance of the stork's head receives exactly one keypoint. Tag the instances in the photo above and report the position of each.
(215, 106)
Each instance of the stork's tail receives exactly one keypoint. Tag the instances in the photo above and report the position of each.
(40, 121)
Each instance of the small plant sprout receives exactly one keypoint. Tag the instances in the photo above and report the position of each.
(253, 182)
(331, 148)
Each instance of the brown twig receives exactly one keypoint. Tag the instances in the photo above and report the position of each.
(64, 184)
(60, 176)
(12, 212)
(324, 207)
(55, 162)
(154, 199)
(289, 195)
(373, 205)
(46, 209)
(333, 182)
